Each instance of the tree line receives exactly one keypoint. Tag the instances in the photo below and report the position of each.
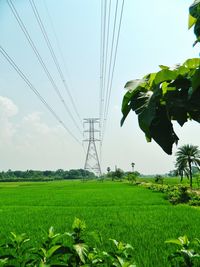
(46, 175)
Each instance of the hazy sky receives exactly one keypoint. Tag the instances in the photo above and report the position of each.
(153, 33)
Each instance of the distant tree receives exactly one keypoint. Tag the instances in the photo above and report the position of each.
(159, 179)
(117, 174)
(79, 174)
(182, 169)
(187, 156)
(173, 173)
(132, 165)
(131, 177)
(108, 169)
(47, 173)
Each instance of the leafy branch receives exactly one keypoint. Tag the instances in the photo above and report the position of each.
(167, 95)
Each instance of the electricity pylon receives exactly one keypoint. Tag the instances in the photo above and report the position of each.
(92, 159)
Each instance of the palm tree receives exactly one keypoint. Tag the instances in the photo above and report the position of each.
(132, 165)
(108, 169)
(188, 155)
(181, 169)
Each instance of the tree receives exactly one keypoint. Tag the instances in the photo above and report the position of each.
(187, 156)
(181, 169)
(170, 94)
(117, 174)
(132, 165)
(108, 169)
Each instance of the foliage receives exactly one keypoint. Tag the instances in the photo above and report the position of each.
(188, 254)
(108, 169)
(186, 156)
(178, 195)
(117, 174)
(47, 175)
(159, 179)
(175, 194)
(194, 199)
(194, 19)
(131, 177)
(115, 209)
(170, 94)
(56, 250)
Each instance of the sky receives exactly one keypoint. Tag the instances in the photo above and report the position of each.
(152, 33)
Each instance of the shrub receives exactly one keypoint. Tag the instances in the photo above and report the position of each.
(187, 254)
(178, 195)
(194, 200)
(67, 249)
(159, 179)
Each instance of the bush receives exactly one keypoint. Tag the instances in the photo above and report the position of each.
(187, 254)
(178, 195)
(67, 249)
(159, 179)
(194, 200)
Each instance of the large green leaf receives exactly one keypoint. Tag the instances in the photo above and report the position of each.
(52, 250)
(140, 101)
(174, 241)
(162, 132)
(126, 107)
(166, 88)
(145, 119)
(165, 96)
(196, 80)
(194, 9)
(128, 97)
(165, 75)
(182, 70)
(191, 21)
(197, 28)
(132, 85)
(192, 63)
(194, 105)
(82, 250)
(163, 67)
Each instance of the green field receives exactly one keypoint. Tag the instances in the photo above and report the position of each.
(116, 210)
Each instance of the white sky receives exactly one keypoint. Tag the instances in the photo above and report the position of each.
(153, 32)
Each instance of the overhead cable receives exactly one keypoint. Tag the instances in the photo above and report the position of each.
(112, 65)
(48, 42)
(30, 41)
(102, 56)
(107, 43)
(36, 92)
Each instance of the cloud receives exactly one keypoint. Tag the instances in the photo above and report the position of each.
(34, 122)
(7, 129)
(30, 143)
(7, 108)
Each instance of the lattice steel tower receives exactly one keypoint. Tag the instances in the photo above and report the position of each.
(92, 159)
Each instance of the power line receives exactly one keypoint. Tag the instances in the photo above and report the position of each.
(110, 64)
(27, 35)
(58, 43)
(107, 43)
(100, 60)
(115, 56)
(36, 92)
(104, 45)
(102, 56)
(111, 73)
(48, 42)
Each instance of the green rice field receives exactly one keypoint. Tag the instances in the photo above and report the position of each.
(117, 210)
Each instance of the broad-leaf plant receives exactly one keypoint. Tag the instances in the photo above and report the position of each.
(171, 94)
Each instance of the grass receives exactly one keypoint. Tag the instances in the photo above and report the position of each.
(131, 214)
(174, 181)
